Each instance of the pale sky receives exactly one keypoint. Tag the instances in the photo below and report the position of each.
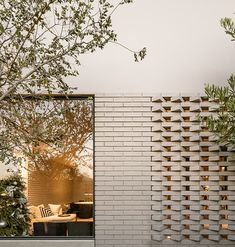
(186, 49)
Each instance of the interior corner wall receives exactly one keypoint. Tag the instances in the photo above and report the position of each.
(123, 170)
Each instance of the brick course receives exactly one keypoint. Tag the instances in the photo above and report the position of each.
(160, 179)
(191, 176)
(123, 170)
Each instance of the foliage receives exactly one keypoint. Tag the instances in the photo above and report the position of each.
(14, 214)
(222, 124)
(50, 133)
(41, 41)
(229, 27)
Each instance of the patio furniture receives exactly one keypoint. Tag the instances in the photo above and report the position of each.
(50, 229)
(39, 229)
(56, 229)
(80, 228)
(83, 210)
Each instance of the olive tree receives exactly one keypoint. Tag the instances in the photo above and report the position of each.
(222, 124)
(41, 42)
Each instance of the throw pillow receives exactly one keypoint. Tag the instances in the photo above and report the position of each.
(56, 209)
(45, 212)
(37, 211)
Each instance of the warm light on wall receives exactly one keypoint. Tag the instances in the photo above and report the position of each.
(205, 168)
(223, 178)
(205, 158)
(186, 109)
(224, 197)
(223, 168)
(205, 109)
(205, 178)
(206, 226)
(168, 188)
(200, 179)
(205, 188)
(168, 168)
(186, 119)
(205, 217)
(224, 226)
(223, 158)
(168, 149)
(205, 149)
(224, 207)
(205, 138)
(204, 129)
(168, 178)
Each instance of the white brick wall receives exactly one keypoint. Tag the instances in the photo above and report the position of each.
(150, 155)
(123, 170)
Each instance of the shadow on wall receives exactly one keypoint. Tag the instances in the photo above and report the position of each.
(43, 190)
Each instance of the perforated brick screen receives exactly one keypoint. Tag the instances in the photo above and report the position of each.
(193, 178)
(159, 176)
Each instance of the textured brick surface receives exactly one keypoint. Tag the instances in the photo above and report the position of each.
(160, 179)
(123, 129)
(193, 179)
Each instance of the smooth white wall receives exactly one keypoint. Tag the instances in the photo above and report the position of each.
(186, 49)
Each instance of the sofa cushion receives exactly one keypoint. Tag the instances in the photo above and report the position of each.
(55, 208)
(37, 211)
(56, 218)
(45, 212)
